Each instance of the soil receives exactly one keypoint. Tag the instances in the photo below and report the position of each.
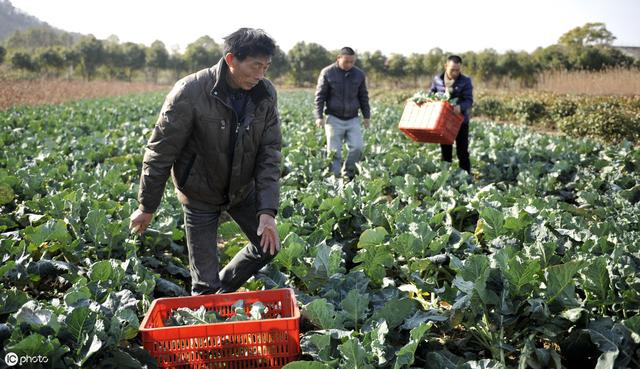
(38, 92)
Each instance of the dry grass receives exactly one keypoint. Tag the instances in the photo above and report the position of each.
(619, 82)
(37, 92)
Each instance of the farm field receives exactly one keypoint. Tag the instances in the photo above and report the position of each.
(533, 262)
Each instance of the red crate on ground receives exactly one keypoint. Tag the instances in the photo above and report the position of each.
(268, 343)
(434, 122)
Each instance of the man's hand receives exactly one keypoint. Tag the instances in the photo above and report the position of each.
(456, 109)
(320, 122)
(139, 221)
(365, 122)
(269, 241)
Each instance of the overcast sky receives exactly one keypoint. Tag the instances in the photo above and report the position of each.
(390, 26)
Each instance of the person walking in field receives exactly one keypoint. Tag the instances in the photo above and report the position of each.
(341, 92)
(218, 136)
(455, 84)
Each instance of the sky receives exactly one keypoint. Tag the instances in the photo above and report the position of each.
(398, 26)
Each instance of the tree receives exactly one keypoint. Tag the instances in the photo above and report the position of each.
(22, 60)
(279, 64)
(113, 58)
(374, 64)
(91, 53)
(51, 59)
(3, 53)
(306, 61)
(178, 64)
(134, 58)
(415, 67)
(396, 67)
(589, 34)
(157, 58)
(433, 61)
(71, 60)
(487, 65)
(553, 57)
(202, 53)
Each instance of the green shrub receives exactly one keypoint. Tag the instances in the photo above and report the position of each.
(605, 121)
(489, 107)
(562, 108)
(528, 111)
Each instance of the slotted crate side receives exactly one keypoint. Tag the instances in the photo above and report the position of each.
(433, 122)
(268, 343)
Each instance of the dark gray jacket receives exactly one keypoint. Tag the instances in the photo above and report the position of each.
(191, 142)
(343, 93)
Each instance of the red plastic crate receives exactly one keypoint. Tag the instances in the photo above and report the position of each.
(434, 122)
(266, 343)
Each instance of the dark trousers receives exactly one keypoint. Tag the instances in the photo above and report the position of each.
(202, 230)
(462, 148)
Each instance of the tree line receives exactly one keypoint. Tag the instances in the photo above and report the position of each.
(57, 54)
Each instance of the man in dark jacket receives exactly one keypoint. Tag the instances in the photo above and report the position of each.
(218, 136)
(342, 88)
(458, 86)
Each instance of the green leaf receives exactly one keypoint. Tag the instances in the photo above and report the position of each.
(355, 308)
(96, 221)
(406, 355)
(377, 341)
(79, 323)
(559, 280)
(322, 314)
(306, 365)
(521, 273)
(372, 237)
(79, 291)
(293, 249)
(35, 316)
(493, 218)
(101, 271)
(33, 345)
(596, 281)
(443, 360)
(354, 355)
(394, 312)
(374, 262)
(7, 266)
(12, 300)
(51, 231)
(6, 194)
(90, 346)
(128, 323)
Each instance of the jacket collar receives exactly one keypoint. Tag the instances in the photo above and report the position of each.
(220, 87)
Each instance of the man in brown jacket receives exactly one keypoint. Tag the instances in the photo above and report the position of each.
(218, 136)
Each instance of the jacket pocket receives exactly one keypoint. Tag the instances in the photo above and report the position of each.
(187, 170)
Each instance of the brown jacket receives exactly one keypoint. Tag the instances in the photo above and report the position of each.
(191, 142)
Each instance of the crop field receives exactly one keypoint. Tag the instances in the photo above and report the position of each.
(532, 262)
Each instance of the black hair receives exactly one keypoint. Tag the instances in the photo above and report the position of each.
(249, 42)
(455, 58)
(347, 51)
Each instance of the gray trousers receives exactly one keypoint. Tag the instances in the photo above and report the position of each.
(202, 230)
(338, 131)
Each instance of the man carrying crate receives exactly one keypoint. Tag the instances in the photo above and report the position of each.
(218, 136)
(456, 85)
(342, 88)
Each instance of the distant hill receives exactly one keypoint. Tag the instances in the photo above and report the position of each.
(13, 19)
